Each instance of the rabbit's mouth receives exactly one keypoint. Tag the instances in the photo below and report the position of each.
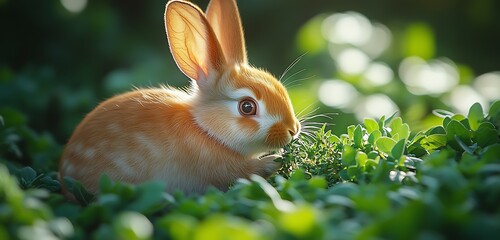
(274, 152)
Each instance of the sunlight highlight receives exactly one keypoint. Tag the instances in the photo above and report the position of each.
(378, 74)
(380, 40)
(136, 224)
(433, 78)
(74, 6)
(352, 61)
(488, 85)
(337, 93)
(462, 98)
(350, 27)
(375, 106)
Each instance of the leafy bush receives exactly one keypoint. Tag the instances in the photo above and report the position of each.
(376, 181)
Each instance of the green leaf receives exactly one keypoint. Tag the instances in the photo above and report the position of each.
(220, 226)
(389, 119)
(353, 172)
(27, 175)
(381, 124)
(318, 182)
(358, 137)
(395, 126)
(12, 117)
(446, 121)
(350, 131)
(373, 154)
(370, 125)
(491, 154)
(385, 144)
(348, 156)
(180, 226)
(399, 129)
(78, 191)
(105, 183)
(456, 128)
(150, 195)
(486, 134)
(398, 149)
(458, 117)
(475, 116)
(470, 163)
(434, 142)
(466, 148)
(45, 181)
(494, 112)
(300, 221)
(361, 158)
(334, 139)
(374, 136)
(436, 130)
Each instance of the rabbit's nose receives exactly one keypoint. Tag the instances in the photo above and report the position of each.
(295, 131)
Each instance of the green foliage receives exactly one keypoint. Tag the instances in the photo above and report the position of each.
(375, 181)
(378, 180)
(20, 143)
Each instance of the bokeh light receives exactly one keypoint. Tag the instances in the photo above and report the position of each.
(338, 94)
(378, 74)
(488, 85)
(375, 106)
(74, 6)
(432, 78)
(463, 96)
(350, 27)
(352, 61)
(380, 40)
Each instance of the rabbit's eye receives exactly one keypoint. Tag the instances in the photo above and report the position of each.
(247, 107)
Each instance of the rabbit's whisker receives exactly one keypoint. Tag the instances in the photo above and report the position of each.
(299, 114)
(294, 82)
(291, 66)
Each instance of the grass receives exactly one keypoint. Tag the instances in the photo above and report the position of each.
(377, 181)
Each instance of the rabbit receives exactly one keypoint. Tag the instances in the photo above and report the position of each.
(223, 127)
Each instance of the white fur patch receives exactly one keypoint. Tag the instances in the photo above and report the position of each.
(267, 121)
(120, 160)
(232, 105)
(114, 128)
(89, 153)
(78, 148)
(68, 167)
(240, 93)
(149, 144)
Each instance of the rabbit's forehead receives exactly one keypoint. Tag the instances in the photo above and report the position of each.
(261, 86)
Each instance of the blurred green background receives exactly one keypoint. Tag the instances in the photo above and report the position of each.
(60, 58)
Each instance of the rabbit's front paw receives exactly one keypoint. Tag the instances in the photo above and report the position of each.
(268, 165)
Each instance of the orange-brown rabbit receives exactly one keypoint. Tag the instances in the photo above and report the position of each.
(210, 135)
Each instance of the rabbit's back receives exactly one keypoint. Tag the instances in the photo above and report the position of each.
(144, 135)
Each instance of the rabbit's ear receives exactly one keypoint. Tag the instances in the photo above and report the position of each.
(224, 18)
(192, 41)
